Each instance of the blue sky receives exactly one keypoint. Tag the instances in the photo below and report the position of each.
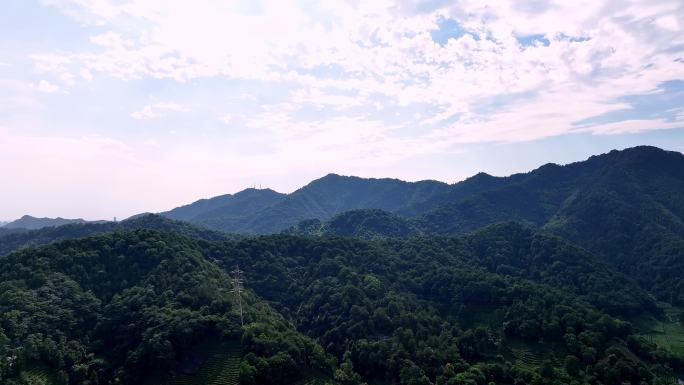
(114, 107)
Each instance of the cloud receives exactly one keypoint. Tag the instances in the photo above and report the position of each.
(338, 55)
(51, 62)
(292, 90)
(226, 118)
(46, 87)
(416, 79)
(157, 110)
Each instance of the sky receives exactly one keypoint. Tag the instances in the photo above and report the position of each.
(115, 107)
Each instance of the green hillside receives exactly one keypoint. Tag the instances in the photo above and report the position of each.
(384, 311)
(549, 277)
(11, 241)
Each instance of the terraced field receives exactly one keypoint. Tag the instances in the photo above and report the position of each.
(528, 355)
(38, 374)
(220, 365)
(666, 332)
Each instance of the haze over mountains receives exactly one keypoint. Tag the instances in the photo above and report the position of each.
(562, 275)
(33, 223)
(632, 199)
(548, 196)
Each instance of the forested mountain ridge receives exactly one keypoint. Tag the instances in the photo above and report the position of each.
(546, 277)
(320, 199)
(18, 238)
(362, 223)
(119, 307)
(643, 175)
(627, 207)
(32, 223)
(534, 197)
(228, 208)
(426, 310)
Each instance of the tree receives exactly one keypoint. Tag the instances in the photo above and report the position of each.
(345, 375)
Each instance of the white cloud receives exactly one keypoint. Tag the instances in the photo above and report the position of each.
(378, 48)
(51, 62)
(86, 74)
(668, 22)
(367, 76)
(679, 115)
(157, 110)
(633, 126)
(311, 87)
(46, 87)
(226, 118)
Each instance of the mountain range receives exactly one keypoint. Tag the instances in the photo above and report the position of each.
(266, 211)
(32, 223)
(567, 274)
(632, 198)
(545, 196)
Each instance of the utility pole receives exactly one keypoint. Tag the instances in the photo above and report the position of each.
(237, 289)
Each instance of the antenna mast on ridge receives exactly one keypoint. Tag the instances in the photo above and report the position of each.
(237, 289)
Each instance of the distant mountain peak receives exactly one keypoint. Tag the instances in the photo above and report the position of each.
(643, 149)
(33, 223)
(481, 176)
(255, 191)
(333, 175)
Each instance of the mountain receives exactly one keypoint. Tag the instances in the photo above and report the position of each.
(334, 194)
(135, 307)
(465, 189)
(227, 207)
(228, 213)
(33, 223)
(540, 197)
(5, 231)
(362, 223)
(513, 249)
(266, 211)
(625, 207)
(567, 274)
(507, 304)
(508, 248)
(14, 239)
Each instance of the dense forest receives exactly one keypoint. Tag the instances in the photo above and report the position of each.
(17, 238)
(565, 275)
(122, 307)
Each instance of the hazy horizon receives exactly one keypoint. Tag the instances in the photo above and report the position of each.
(262, 186)
(112, 108)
